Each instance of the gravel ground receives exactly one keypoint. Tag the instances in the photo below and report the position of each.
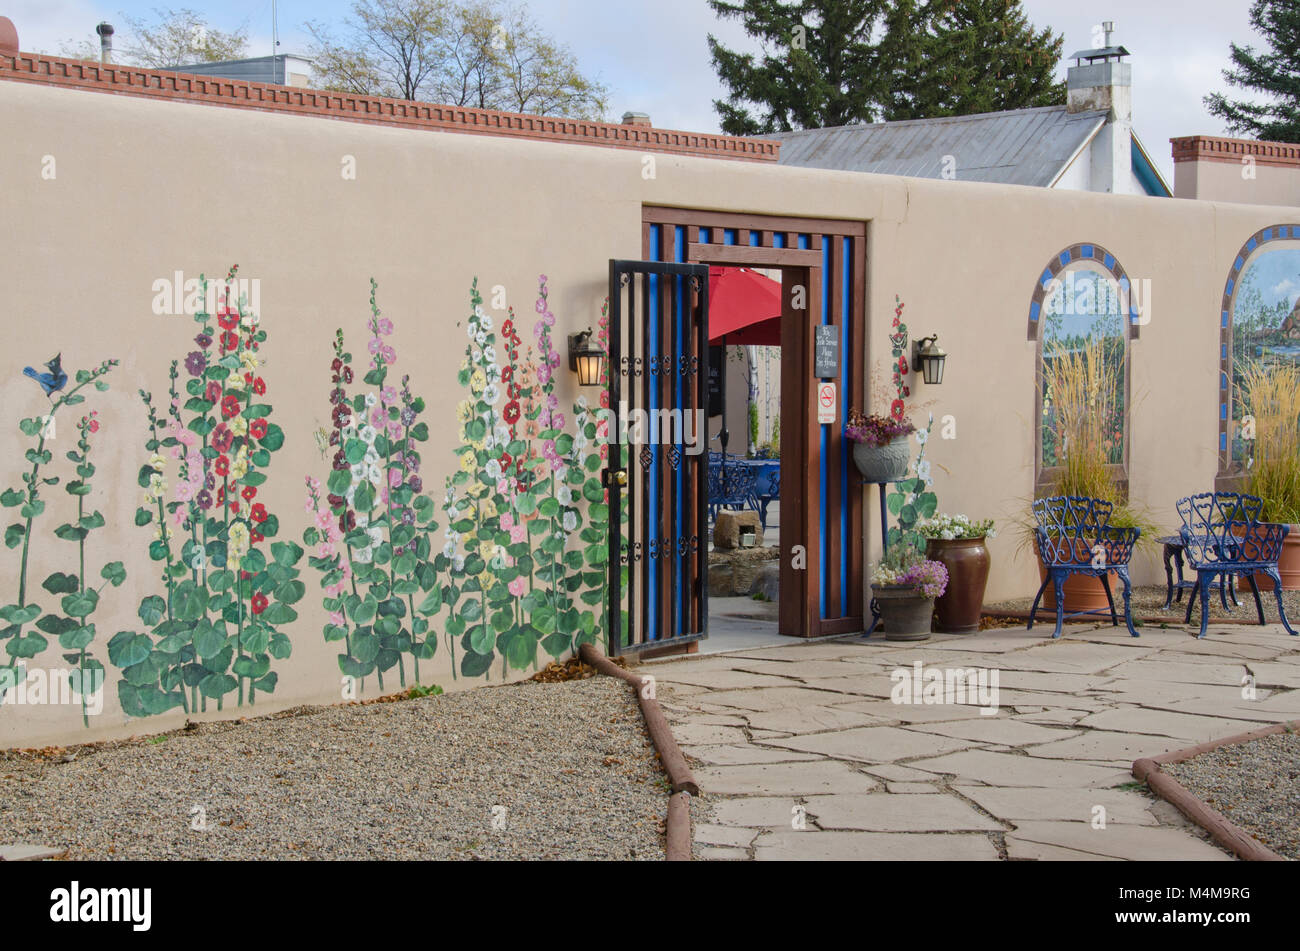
(1255, 784)
(569, 763)
(1148, 600)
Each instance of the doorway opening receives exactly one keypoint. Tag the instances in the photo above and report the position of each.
(815, 516)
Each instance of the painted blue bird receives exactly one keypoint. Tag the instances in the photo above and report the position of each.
(52, 381)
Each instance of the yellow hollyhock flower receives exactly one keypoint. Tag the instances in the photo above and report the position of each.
(157, 462)
(239, 426)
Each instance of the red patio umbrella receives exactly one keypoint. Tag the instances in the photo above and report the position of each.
(744, 307)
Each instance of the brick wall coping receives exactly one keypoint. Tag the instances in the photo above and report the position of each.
(1210, 148)
(379, 110)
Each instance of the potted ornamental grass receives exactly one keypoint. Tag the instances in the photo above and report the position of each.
(1270, 396)
(904, 586)
(880, 446)
(957, 542)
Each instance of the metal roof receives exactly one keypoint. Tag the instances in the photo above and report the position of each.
(1019, 147)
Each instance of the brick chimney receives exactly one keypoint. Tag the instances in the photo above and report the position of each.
(636, 118)
(1100, 79)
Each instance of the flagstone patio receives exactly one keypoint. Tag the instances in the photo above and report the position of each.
(801, 754)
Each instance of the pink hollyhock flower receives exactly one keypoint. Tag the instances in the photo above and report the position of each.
(394, 477)
(323, 519)
(325, 550)
(184, 491)
(336, 618)
(518, 534)
(517, 587)
(503, 487)
(374, 344)
(390, 355)
(388, 395)
(507, 521)
(385, 326)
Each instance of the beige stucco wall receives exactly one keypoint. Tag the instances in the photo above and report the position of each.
(147, 188)
(1258, 184)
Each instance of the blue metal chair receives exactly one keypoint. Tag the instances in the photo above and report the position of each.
(1074, 536)
(731, 487)
(1222, 535)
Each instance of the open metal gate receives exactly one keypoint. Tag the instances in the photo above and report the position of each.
(657, 465)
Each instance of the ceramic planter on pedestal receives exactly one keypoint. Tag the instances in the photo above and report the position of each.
(887, 463)
(904, 612)
(957, 611)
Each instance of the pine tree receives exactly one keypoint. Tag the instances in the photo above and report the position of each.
(838, 62)
(1275, 73)
(820, 65)
(978, 56)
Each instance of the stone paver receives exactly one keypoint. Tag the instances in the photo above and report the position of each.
(784, 779)
(887, 812)
(1009, 769)
(872, 744)
(801, 753)
(1064, 805)
(1136, 843)
(872, 847)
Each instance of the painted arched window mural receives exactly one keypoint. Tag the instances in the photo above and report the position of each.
(1083, 314)
(1259, 328)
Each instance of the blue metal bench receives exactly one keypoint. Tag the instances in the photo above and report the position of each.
(1074, 536)
(731, 486)
(1223, 536)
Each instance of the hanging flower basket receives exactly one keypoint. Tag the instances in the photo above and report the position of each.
(880, 447)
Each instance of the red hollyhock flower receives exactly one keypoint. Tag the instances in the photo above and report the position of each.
(229, 340)
(234, 506)
(336, 365)
(511, 413)
(256, 536)
(507, 374)
(229, 405)
(508, 328)
(213, 392)
(258, 512)
(249, 492)
(260, 603)
(222, 438)
(896, 409)
(222, 466)
(257, 428)
(228, 319)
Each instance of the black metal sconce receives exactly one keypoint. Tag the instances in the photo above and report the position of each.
(585, 359)
(928, 357)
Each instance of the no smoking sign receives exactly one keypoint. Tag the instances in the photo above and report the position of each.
(826, 402)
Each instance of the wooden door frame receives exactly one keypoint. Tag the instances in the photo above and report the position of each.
(799, 608)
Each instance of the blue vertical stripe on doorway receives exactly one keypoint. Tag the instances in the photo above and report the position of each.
(679, 257)
(846, 322)
(824, 435)
(653, 631)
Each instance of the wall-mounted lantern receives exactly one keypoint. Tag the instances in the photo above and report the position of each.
(585, 359)
(928, 357)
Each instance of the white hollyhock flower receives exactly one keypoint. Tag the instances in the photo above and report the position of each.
(371, 400)
(922, 436)
(484, 320)
(471, 330)
(493, 469)
(570, 521)
(564, 495)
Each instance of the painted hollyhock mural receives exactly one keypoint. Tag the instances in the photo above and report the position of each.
(78, 591)
(226, 587)
(371, 528)
(520, 572)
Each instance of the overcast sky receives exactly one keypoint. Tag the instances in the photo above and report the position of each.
(654, 56)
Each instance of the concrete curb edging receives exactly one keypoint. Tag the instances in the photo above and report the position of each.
(1223, 830)
(678, 825)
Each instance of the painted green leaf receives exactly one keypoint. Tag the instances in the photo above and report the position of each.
(11, 497)
(255, 639)
(481, 639)
(114, 573)
(14, 535)
(286, 553)
(544, 619)
(127, 648)
(77, 638)
(555, 643)
(143, 516)
(32, 509)
(279, 614)
(221, 580)
(152, 610)
(61, 583)
(215, 686)
(189, 601)
(208, 641)
(281, 647)
(80, 604)
(338, 481)
(26, 645)
(274, 438)
(290, 592)
(475, 665)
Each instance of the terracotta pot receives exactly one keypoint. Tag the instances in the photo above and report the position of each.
(887, 463)
(905, 614)
(1288, 564)
(1082, 592)
(957, 611)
